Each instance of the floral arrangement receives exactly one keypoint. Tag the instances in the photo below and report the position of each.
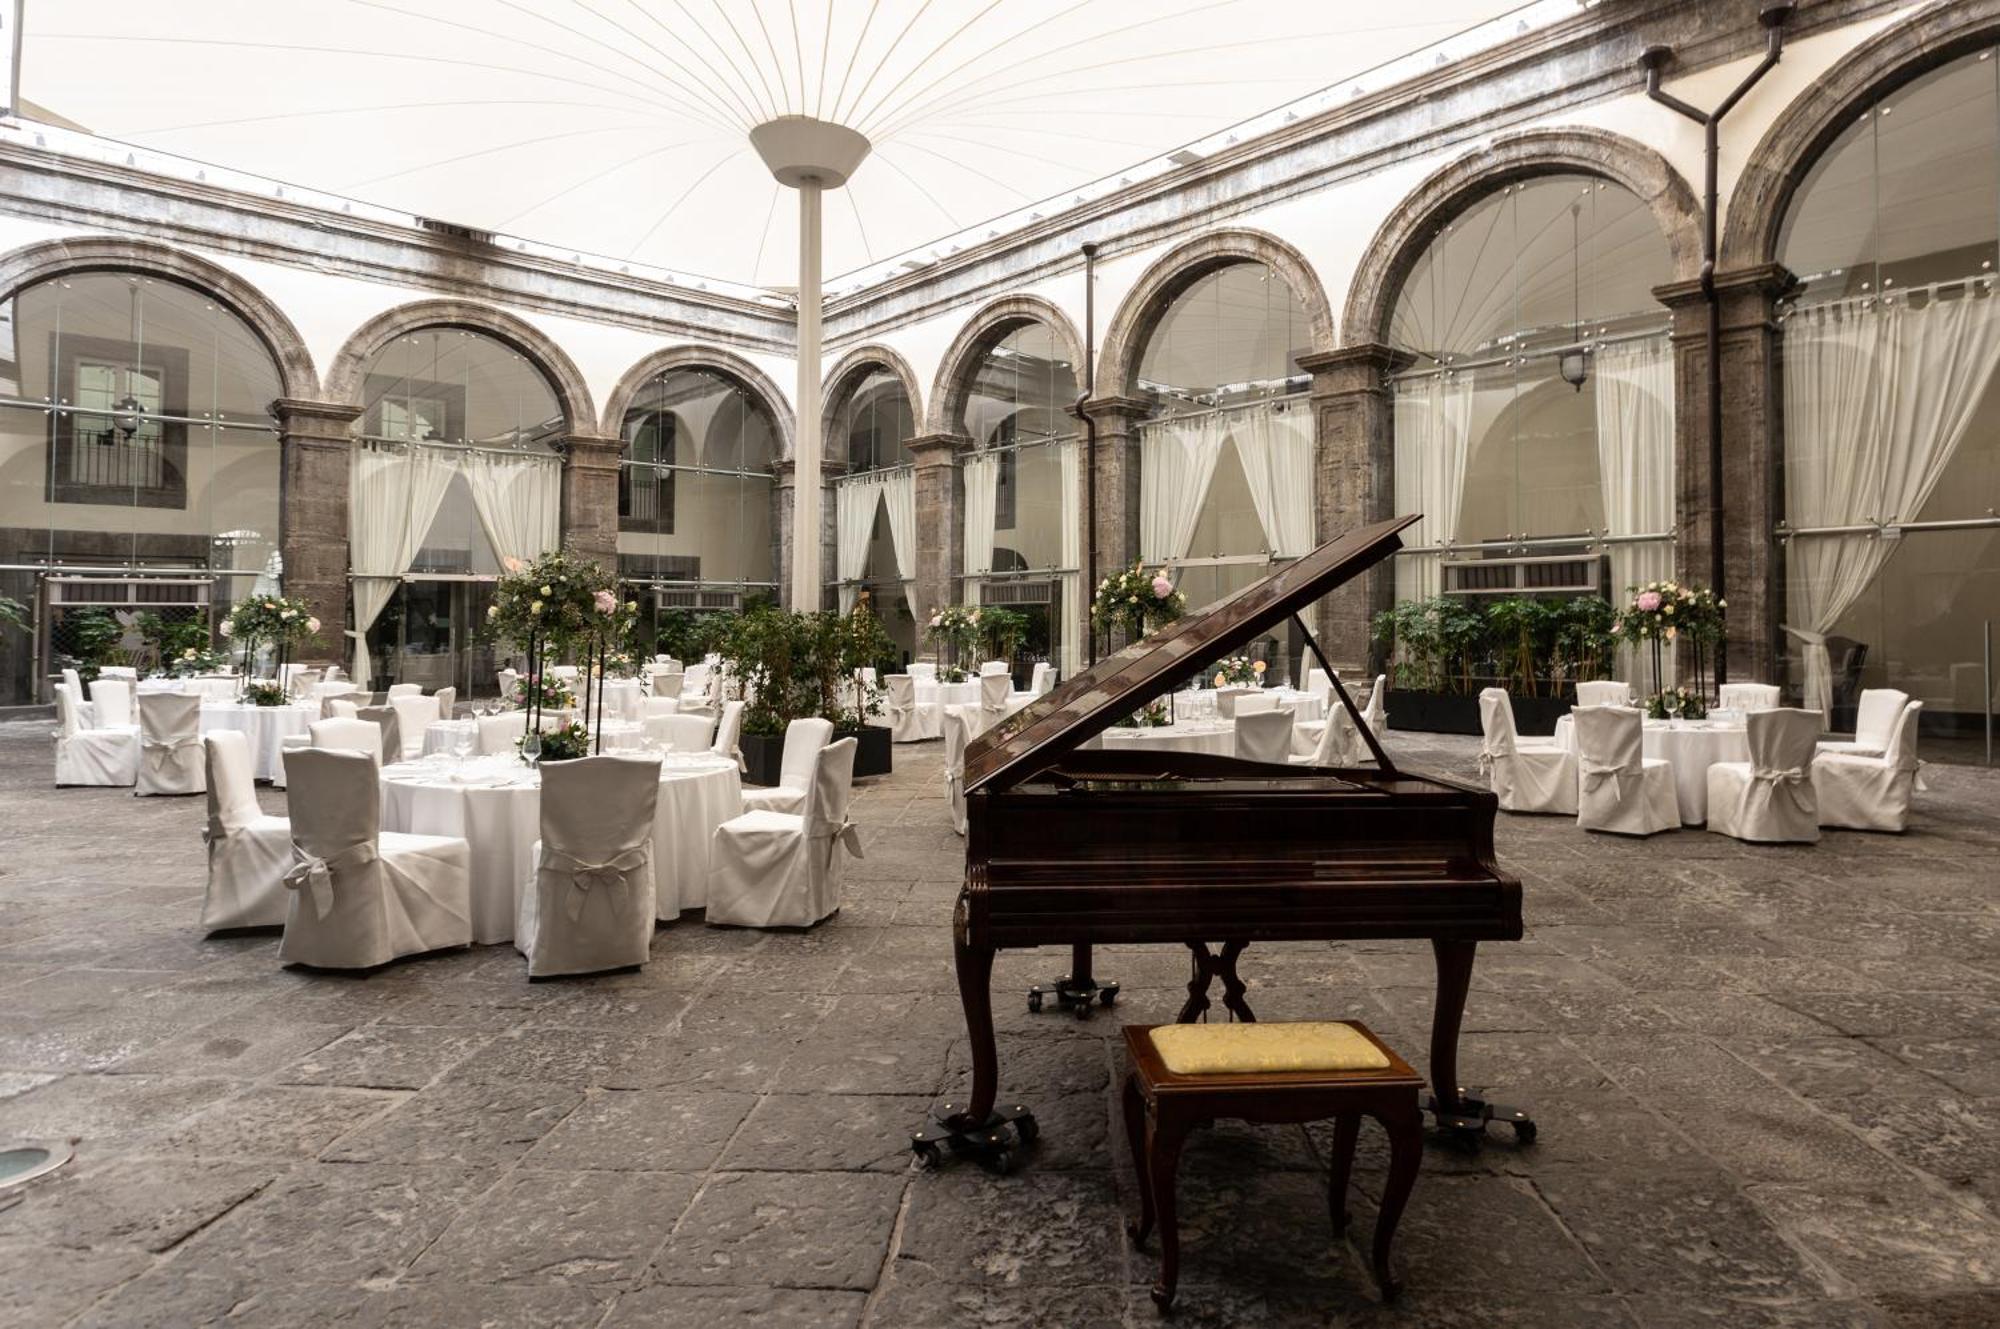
(275, 620)
(196, 660)
(264, 694)
(621, 664)
(1240, 670)
(561, 743)
(955, 628)
(1136, 601)
(543, 690)
(559, 602)
(1661, 613)
(1677, 704)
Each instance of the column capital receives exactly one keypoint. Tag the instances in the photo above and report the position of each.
(315, 421)
(1358, 368)
(592, 451)
(938, 449)
(1111, 406)
(785, 471)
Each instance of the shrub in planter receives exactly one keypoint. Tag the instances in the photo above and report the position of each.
(791, 666)
(1443, 650)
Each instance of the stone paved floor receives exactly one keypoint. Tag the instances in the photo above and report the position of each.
(1766, 1080)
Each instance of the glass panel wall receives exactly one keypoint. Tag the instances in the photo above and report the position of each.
(135, 438)
(1891, 373)
(873, 423)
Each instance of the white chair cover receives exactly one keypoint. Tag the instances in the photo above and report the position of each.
(170, 757)
(958, 731)
(1875, 722)
(994, 667)
(405, 690)
(1319, 685)
(348, 735)
(994, 689)
(340, 708)
(1530, 775)
(1264, 735)
(501, 734)
(392, 731)
(1769, 798)
(248, 852)
(803, 740)
(923, 671)
(682, 732)
(909, 722)
(128, 673)
(111, 702)
(1043, 680)
(1748, 697)
(1253, 702)
(447, 703)
(729, 733)
(651, 706)
(1226, 699)
(102, 757)
(1375, 714)
(1604, 692)
(85, 717)
(1865, 793)
(589, 905)
(302, 682)
(507, 678)
(1618, 788)
(413, 716)
(359, 898)
(772, 869)
(1339, 743)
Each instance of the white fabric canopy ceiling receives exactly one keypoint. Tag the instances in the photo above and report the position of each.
(618, 128)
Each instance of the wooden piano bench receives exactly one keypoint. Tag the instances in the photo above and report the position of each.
(1184, 1075)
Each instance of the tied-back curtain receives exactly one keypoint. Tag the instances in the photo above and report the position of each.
(1176, 464)
(982, 492)
(1878, 397)
(1076, 614)
(1275, 445)
(393, 496)
(518, 497)
(899, 496)
(854, 526)
(1634, 389)
(1433, 422)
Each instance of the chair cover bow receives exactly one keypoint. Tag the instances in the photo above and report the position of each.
(1792, 775)
(166, 757)
(585, 876)
(836, 834)
(1487, 756)
(311, 872)
(1595, 773)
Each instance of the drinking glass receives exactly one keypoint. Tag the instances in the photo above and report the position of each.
(531, 747)
(461, 743)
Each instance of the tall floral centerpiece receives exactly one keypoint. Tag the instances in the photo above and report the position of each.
(277, 621)
(1137, 601)
(1240, 671)
(954, 632)
(562, 605)
(1659, 615)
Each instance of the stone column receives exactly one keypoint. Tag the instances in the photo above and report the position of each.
(317, 459)
(783, 492)
(940, 553)
(590, 496)
(1751, 406)
(1354, 483)
(1115, 531)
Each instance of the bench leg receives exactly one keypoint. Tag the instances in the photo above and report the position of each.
(1346, 1129)
(1163, 1159)
(1135, 1135)
(1406, 1148)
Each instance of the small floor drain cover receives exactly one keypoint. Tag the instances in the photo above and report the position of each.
(22, 1163)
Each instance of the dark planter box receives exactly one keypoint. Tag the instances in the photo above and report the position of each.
(764, 754)
(872, 749)
(763, 758)
(1447, 713)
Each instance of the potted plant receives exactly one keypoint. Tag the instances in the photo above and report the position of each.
(1444, 650)
(792, 666)
(1001, 632)
(853, 642)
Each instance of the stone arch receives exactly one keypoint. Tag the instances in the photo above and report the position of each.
(1899, 54)
(1181, 267)
(344, 376)
(754, 380)
(994, 320)
(49, 259)
(860, 360)
(1371, 296)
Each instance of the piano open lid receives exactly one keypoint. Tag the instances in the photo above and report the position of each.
(1042, 733)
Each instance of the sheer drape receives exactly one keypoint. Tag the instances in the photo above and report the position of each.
(393, 496)
(1634, 389)
(519, 501)
(854, 526)
(982, 489)
(1433, 422)
(1076, 613)
(1276, 449)
(899, 495)
(1176, 463)
(1877, 398)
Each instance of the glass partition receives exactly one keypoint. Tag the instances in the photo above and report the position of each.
(873, 423)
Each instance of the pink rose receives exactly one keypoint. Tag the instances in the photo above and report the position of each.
(1162, 587)
(1648, 601)
(606, 602)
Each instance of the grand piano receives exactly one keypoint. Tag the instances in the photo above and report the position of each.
(1076, 847)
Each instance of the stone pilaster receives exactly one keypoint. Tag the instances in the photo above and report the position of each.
(785, 473)
(1114, 534)
(1753, 581)
(1354, 483)
(940, 491)
(317, 459)
(590, 496)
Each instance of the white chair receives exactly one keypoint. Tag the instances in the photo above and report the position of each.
(123, 673)
(1875, 723)
(1254, 702)
(729, 733)
(1604, 692)
(958, 731)
(1747, 697)
(1532, 775)
(302, 682)
(362, 897)
(923, 671)
(506, 679)
(85, 716)
(413, 716)
(405, 690)
(500, 734)
(588, 905)
(906, 718)
(340, 708)
(1264, 735)
(566, 672)
(994, 667)
(111, 702)
(668, 683)
(391, 731)
(683, 732)
(774, 869)
(1864, 793)
(1043, 680)
(1226, 699)
(803, 740)
(349, 735)
(1619, 789)
(447, 703)
(651, 706)
(994, 690)
(248, 851)
(170, 757)
(1769, 799)
(98, 756)
(1338, 744)
(1318, 684)
(1375, 714)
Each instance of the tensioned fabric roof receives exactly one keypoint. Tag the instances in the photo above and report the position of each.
(619, 128)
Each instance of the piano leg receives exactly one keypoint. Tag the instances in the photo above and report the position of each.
(1451, 1108)
(1207, 968)
(1076, 990)
(974, 1129)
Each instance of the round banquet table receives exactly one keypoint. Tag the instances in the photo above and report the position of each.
(441, 736)
(211, 687)
(1304, 706)
(266, 727)
(948, 694)
(1219, 740)
(622, 698)
(494, 804)
(1690, 747)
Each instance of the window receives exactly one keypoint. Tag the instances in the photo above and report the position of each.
(116, 445)
(646, 481)
(695, 489)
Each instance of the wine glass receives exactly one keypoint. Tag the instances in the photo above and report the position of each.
(461, 743)
(1671, 701)
(531, 747)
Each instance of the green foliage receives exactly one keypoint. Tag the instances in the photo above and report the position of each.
(674, 634)
(13, 614)
(1584, 644)
(1001, 631)
(264, 694)
(95, 638)
(1521, 632)
(795, 666)
(1533, 647)
(562, 743)
(1433, 644)
(561, 601)
(169, 640)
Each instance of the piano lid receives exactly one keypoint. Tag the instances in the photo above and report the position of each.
(1042, 733)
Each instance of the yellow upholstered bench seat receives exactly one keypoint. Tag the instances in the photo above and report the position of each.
(1248, 1049)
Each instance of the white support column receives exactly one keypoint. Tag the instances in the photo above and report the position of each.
(806, 495)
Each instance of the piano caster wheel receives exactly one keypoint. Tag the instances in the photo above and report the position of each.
(1466, 1122)
(1108, 995)
(1524, 1131)
(1000, 1162)
(995, 1144)
(929, 1155)
(1076, 998)
(1035, 1002)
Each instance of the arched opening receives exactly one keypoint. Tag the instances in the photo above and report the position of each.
(139, 469)
(875, 502)
(1891, 461)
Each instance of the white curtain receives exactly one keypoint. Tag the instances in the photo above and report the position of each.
(1633, 385)
(1276, 447)
(1433, 422)
(1076, 611)
(393, 496)
(854, 526)
(518, 498)
(899, 494)
(1877, 398)
(982, 490)
(1176, 463)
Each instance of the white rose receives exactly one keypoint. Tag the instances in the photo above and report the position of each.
(312, 625)
(547, 591)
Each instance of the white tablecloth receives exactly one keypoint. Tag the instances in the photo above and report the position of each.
(623, 699)
(441, 736)
(265, 726)
(494, 803)
(1691, 746)
(212, 687)
(1217, 739)
(1304, 706)
(948, 694)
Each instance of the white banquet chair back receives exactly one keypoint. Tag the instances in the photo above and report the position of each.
(391, 736)
(905, 724)
(993, 692)
(1264, 735)
(413, 716)
(1226, 699)
(248, 851)
(1864, 793)
(1253, 702)
(111, 702)
(348, 735)
(85, 717)
(1769, 799)
(360, 897)
(668, 683)
(589, 906)
(994, 667)
(340, 708)
(1375, 714)
(1318, 684)
(803, 740)
(957, 733)
(500, 734)
(682, 732)
(923, 671)
(1043, 680)
(1875, 721)
(729, 733)
(447, 703)
(128, 673)
(170, 758)
(651, 706)
(1528, 775)
(1618, 788)
(1604, 692)
(773, 869)
(92, 756)
(1747, 697)
(507, 678)
(405, 690)
(1339, 743)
